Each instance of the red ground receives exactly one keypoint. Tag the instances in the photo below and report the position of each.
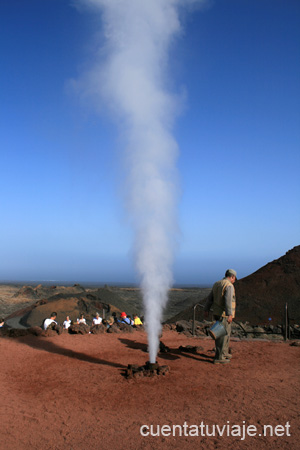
(68, 392)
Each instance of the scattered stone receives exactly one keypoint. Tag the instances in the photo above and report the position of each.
(200, 333)
(295, 331)
(186, 333)
(183, 325)
(98, 329)
(261, 336)
(114, 329)
(55, 327)
(126, 328)
(258, 330)
(36, 331)
(14, 332)
(79, 328)
(275, 337)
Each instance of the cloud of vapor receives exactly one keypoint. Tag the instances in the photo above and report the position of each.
(130, 74)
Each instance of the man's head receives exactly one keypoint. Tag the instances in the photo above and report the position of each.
(53, 315)
(231, 275)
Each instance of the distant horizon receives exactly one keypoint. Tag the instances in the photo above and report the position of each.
(214, 271)
(118, 284)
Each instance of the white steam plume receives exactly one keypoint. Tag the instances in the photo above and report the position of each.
(130, 74)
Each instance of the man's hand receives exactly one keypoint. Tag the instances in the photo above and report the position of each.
(229, 319)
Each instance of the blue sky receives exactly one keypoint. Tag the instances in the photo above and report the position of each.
(237, 63)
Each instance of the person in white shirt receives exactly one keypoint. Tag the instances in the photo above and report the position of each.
(50, 321)
(67, 323)
(82, 319)
(97, 320)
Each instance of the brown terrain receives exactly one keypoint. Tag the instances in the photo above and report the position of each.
(69, 391)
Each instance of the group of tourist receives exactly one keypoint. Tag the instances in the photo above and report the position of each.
(51, 323)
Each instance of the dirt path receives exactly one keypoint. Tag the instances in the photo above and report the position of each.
(68, 392)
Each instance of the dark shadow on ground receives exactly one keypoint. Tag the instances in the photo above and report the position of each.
(48, 346)
(134, 344)
(195, 356)
(140, 346)
(176, 353)
(171, 355)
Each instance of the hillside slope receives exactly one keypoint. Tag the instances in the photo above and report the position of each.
(263, 294)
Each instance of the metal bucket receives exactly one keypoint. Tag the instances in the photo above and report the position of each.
(217, 330)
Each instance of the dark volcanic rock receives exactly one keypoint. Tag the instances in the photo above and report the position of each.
(98, 329)
(79, 328)
(49, 333)
(28, 292)
(126, 328)
(114, 329)
(13, 332)
(148, 370)
(36, 331)
(169, 326)
(41, 291)
(183, 325)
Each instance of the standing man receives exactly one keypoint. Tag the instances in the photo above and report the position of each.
(222, 299)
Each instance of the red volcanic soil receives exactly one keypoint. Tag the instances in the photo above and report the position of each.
(69, 392)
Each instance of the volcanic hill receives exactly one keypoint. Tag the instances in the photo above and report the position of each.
(263, 294)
